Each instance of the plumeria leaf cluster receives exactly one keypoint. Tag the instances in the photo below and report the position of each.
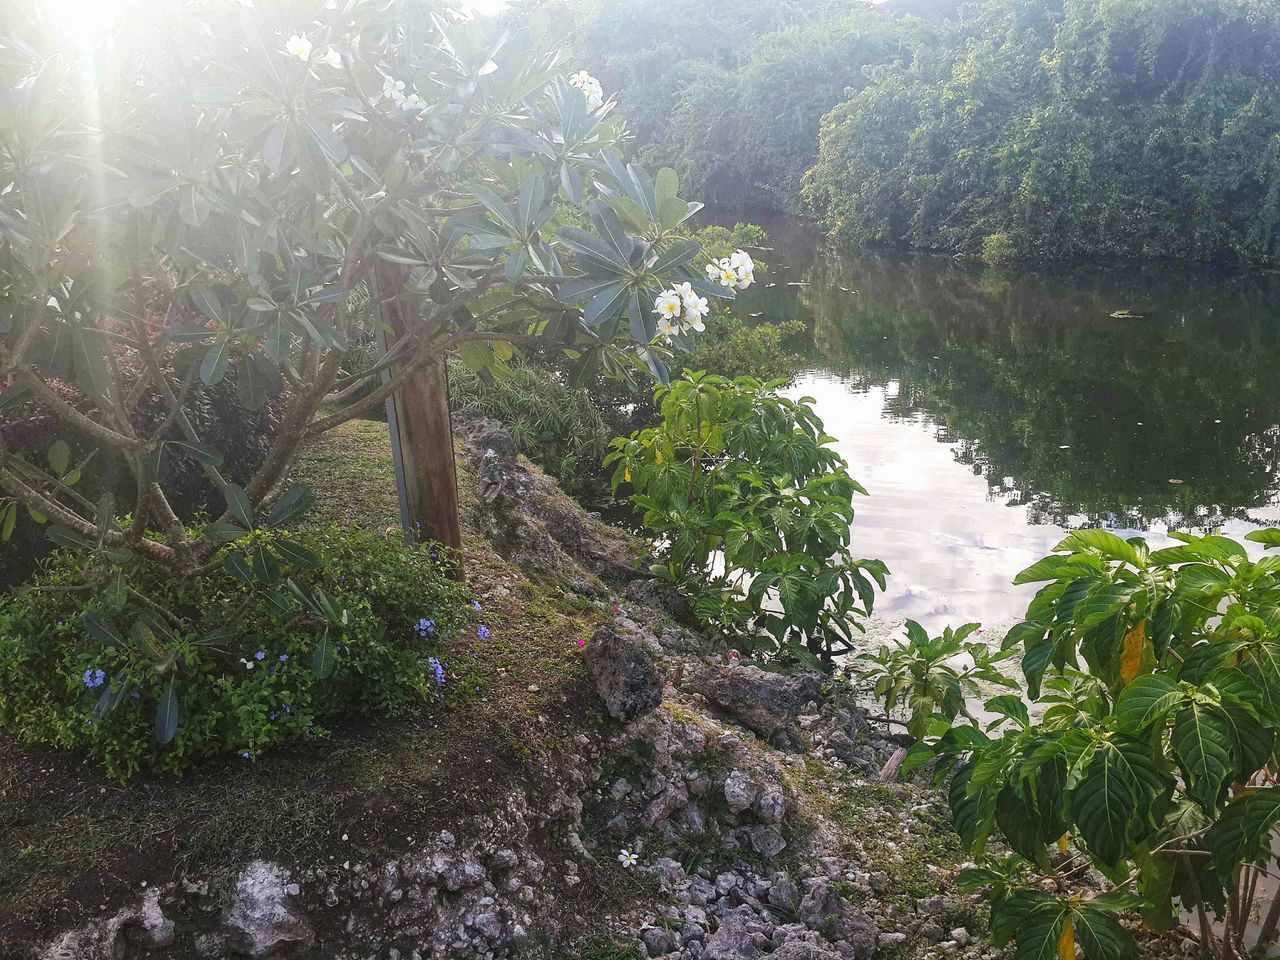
(752, 509)
(1151, 752)
(221, 190)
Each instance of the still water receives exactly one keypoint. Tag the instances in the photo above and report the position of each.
(988, 411)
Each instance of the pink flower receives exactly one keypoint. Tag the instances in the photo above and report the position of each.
(581, 644)
(617, 608)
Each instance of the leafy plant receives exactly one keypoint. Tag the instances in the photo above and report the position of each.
(752, 511)
(234, 185)
(931, 676)
(1156, 755)
(253, 674)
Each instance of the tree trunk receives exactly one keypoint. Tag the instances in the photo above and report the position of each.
(421, 435)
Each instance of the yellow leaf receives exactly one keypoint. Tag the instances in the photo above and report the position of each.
(1067, 941)
(1134, 655)
(1062, 844)
(657, 455)
(626, 474)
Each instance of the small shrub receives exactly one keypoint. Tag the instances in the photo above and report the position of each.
(752, 510)
(244, 675)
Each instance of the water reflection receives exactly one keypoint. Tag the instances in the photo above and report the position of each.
(988, 411)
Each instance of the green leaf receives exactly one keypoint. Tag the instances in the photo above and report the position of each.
(266, 566)
(1108, 544)
(1146, 702)
(295, 502)
(298, 557)
(102, 629)
(213, 367)
(167, 713)
(1039, 931)
(59, 456)
(1201, 742)
(322, 658)
(202, 452)
(1117, 792)
(1243, 832)
(1269, 537)
(1009, 705)
(1099, 933)
(238, 503)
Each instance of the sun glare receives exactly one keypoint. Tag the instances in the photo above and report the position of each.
(87, 17)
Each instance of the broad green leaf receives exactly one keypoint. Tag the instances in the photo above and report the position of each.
(322, 658)
(238, 503)
(1201, 743)
(1242, 833)
(1108, 544)
(292, 505)
(167, 713)
(1145, 702)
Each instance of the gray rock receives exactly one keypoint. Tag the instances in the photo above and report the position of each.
(767, 841)
(804, 950)
(740, 936)
(772, 806)
(961, 936)
(784, 894)
(259, 920)
(767, 703)
(938, 906)
(625, 675)
(828, 913)
(657, 941)
(740, 790)
(663, 596)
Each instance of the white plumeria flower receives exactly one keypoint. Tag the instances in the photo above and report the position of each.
(740, 259)
(713, 270)
(393, 89)
(694, 323)
(695, 307)
(668, 305)
(298, 46)
(331, 58)
(728, 275)
(628, 859)
(683, 290)
(668, 327)
(590, 87)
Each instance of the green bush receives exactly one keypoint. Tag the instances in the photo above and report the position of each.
(244, 675)
(752, 510)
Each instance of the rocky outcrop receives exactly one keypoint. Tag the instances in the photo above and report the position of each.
(530, 520)
(142, 926)
(769, 704)
(624, 673)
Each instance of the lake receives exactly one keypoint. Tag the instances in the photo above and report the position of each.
(988, 411)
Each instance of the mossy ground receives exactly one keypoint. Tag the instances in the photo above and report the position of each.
(73, 845)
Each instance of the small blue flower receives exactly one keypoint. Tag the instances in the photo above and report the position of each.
(425, 627)
(275, 715)
(483, 632)
(136, 695)
(475, 605)
(284, 658)
(94, 678)
(436, 669)
(260, 655)
(288, 709)
(246, 754)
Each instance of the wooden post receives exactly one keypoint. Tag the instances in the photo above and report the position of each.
(421, 432)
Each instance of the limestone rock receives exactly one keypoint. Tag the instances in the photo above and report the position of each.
(259, 920)
(767, 703)
(625, 675)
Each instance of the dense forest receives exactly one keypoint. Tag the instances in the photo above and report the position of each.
(1009, 129)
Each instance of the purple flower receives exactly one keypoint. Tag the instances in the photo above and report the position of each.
(475, 605)
(94, 678)
(284, 658)
(425, 627)
(260, 655)
(288, 709)
(436, 669)
(246, 754)
(483, 632)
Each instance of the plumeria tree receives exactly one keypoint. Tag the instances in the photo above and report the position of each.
(219, 189)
